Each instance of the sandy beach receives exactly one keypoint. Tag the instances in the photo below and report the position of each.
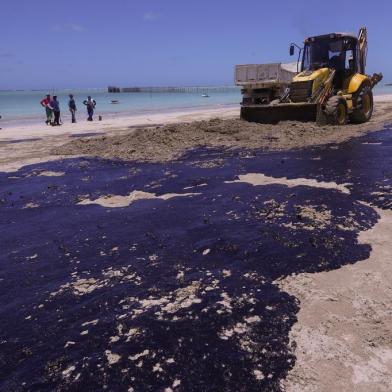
(37, 140)
(125, 137)
(342, 336)
(195, 196)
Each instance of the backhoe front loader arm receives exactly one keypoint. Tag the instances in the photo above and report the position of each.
(362, 49)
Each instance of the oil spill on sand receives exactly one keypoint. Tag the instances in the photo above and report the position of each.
(173, 293)
(87, 134)
(15, 141)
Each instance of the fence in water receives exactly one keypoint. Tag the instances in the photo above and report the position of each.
(203, 90)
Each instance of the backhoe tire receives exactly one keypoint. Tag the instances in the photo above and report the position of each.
(336, 111)
(363, 105)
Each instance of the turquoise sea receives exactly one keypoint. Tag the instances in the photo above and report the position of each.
(24, 107)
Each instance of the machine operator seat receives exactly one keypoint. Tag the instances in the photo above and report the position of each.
(337, 62)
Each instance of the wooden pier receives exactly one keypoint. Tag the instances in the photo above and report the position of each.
(202, 90)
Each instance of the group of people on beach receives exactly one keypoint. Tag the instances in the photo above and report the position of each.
(52, 109)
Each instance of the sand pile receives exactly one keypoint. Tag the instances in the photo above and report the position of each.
(168, 142)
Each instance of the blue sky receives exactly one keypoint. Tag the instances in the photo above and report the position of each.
(88, 43)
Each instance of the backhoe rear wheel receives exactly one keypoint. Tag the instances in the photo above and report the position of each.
(363, 105)
(336, 110)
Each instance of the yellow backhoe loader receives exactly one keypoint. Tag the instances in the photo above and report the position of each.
(330, 87)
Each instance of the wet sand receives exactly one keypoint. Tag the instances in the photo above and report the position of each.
(344, 329)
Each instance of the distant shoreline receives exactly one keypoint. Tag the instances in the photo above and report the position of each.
(34, 120)
(24, 107)
(76, 89)
(15, 122)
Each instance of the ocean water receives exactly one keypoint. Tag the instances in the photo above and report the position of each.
(24, 106)
(382, 90)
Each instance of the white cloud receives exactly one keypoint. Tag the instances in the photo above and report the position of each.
(76, 27)
(150, 16)
(67, 27)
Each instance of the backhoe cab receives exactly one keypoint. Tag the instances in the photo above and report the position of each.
(331, 87)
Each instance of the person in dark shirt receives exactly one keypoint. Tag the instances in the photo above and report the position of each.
(55, 106)
(72, 107)
(49, 112)
(90, 103)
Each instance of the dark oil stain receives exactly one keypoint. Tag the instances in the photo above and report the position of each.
(146, 126)
(87, 134)
(227, 245)
(15, 141)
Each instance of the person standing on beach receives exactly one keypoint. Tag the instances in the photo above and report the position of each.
(49, 112)
(90, 103)
(72, 107)
(55, 105)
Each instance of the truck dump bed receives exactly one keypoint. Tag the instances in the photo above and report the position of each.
(264, 75)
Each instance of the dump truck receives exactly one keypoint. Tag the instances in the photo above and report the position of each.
(263, 83)
(331, 86)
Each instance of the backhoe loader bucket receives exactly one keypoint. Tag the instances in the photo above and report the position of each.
(272, 114)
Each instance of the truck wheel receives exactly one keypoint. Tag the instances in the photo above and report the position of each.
(363, 105)
(336, 111)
